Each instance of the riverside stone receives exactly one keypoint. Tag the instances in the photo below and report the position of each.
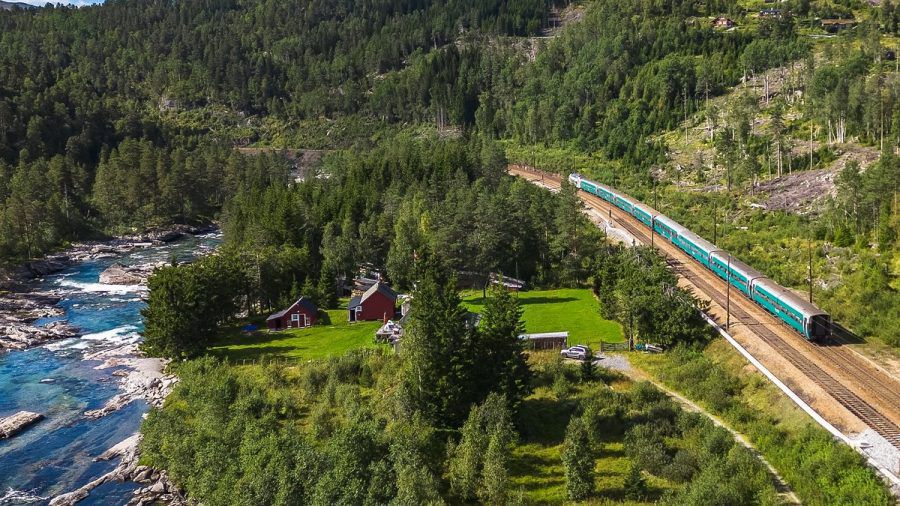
(12, 425)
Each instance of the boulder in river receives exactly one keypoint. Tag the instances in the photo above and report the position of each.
(12, 425)
(49, 265)
(119, 274)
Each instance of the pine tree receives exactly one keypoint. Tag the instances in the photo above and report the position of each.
(635, 485)
(307, 291)
(173, 324)
(325, 291)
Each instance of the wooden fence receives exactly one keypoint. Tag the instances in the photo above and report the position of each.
(604, 347)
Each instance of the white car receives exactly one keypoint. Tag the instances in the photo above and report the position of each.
(578, 352)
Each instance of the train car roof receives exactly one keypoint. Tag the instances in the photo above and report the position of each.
(699, 241)
(669, 222)
(623, 196)
(647, 209)
(805, 307)
(739, 266)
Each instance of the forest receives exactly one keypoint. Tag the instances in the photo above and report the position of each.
(86, 95)
(125, 116)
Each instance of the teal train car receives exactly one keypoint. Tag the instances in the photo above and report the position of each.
(642, 213)
(802, 316)
(739, 274)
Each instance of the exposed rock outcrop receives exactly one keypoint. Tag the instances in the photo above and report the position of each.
(18, 312)
(159, 488)
(120, 274)
(12, 425)
(142, 378)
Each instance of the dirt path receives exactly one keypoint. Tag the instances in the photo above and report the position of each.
(784, 490)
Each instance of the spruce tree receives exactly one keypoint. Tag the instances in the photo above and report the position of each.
(635, 484)
(439, 363)
(505, 366)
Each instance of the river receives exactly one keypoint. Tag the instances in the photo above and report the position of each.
(56, 455)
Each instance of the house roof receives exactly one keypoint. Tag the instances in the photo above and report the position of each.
(544, 335)
(302, 302)
(376, 288)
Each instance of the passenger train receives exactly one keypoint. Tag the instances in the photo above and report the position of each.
(802, 316)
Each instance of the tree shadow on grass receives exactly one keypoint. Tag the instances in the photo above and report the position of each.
(534, 469)
(547, 420)
(253, 346)
(254, 354)
(546, 300)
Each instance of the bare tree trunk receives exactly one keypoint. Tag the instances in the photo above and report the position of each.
(779, 161)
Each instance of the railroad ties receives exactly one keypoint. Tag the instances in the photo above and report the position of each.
(852, 402)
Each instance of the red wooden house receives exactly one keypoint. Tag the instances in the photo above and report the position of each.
(302, 313)
(379, 302)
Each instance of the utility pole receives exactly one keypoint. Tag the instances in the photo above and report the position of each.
(728, 295)
(715, 226)
(809, 248)
(810, 145)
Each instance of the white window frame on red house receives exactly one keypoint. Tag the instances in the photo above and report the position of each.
(295, 318)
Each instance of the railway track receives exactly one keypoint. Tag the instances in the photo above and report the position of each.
(876, 383)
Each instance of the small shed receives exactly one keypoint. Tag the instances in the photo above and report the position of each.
(545, 340)
(379, 302)
(300, 314)
(836, 25)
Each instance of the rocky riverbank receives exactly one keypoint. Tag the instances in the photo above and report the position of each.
(19, 311)
(21, 307)
(158, 488)
(142, 378)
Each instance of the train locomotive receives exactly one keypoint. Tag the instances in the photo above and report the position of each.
(802, 316)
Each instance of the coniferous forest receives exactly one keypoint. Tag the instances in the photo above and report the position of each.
(133, 114)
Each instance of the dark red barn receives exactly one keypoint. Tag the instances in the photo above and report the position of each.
(302, 313)
(379, 302)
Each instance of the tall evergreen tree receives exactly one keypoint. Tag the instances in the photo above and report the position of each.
(438, 349)
(505, 366)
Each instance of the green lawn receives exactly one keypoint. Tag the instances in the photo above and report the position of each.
(572, 310)
(318, 341)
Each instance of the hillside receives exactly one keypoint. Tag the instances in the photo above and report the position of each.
(8, 6)
(792, 155)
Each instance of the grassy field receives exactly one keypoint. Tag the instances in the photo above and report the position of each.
(536, 468)
(572, 310)
(720, 380)
(319, 341)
